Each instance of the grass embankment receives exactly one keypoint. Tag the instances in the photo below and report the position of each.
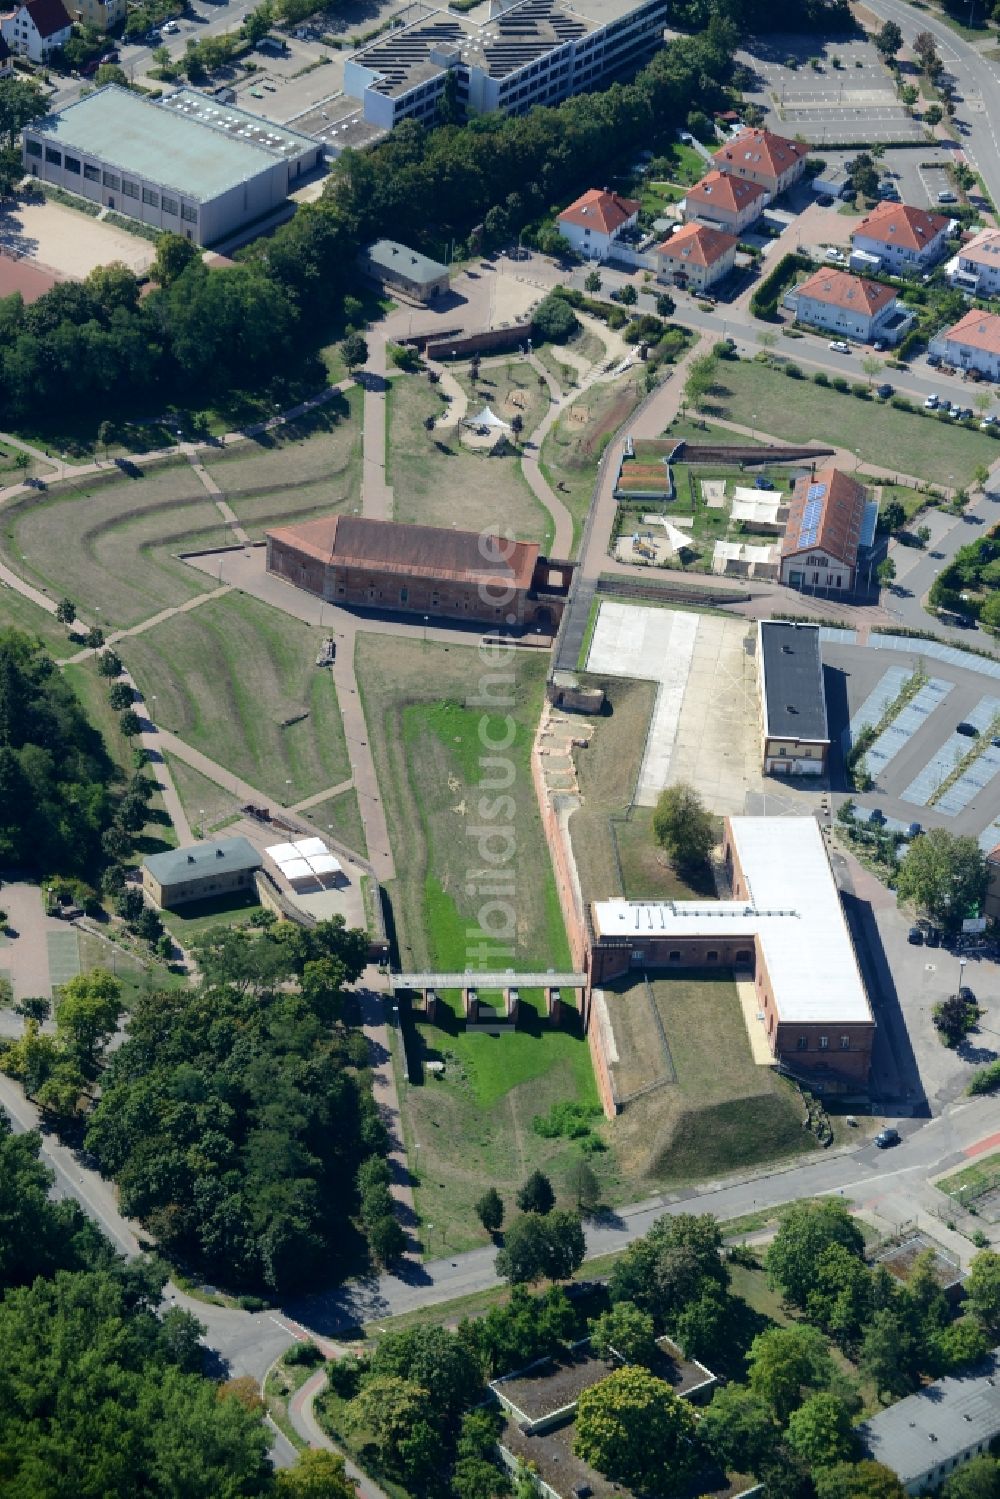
(237, 680)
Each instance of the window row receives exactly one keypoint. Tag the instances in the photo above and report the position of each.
(112, 181)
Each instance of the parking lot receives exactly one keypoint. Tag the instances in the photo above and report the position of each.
(849, 97)
(919, 174)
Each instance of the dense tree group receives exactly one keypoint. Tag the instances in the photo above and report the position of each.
(203, 336)
(55, 775)
(237, 1114)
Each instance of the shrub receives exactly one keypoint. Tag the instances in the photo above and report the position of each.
(986, 1080)
(793, 372)
(839, 383)
(861, 391)
(305, 1354)
(821, 378)
(901, 403)
(554, 320)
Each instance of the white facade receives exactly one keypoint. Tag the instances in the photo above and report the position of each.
(976, 267)
(966, 356)
(25, 40)
(850, 322)
(590, 241)
(901, 258)
(815, 569)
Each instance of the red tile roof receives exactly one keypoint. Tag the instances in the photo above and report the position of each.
(983, 248)
(760, 151)
(899, 224)
(606, 212)
(414, 551)
(730, 193)
(697, 244)
(978, 330)
(49, 16)
(841, 289)
(834, 524)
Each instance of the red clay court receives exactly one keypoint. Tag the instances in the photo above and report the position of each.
(23, 276)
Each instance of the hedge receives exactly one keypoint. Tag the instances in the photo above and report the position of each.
(764, 302)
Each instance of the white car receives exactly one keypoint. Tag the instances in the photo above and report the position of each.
(836, 255)
(930, 404)
(170, 27)
(839, 347)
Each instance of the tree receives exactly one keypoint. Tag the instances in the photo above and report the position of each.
(536, 1195)
(982, 1288)
(978, 1479)
(704, 1327)
(535, 1245)
(989, 614)
(925, 46)
(862, 175)
(174, 254)
(94, 638)
(888, 40)
(871, 365)
(842, 1296)
(258, 22)
(954, 1017)
(933, 115)
(130, 723)
(820, 1431)
(583, 1184)
(886, 571)
(593, 282)
(315, 1475)
(626, 1332)
(700, 379)
(674, 1265)
(665, 305)
(683, 827)
(739, 1431)
(21, 101)
(65, 611)
(109, 664)
(785, 1362)
(892, 516)
(628, 296)
(943, 875)
(120, 696)
(633, 1428)
(553, 320)
(806, 1231)
(354, 350)
(436, 1360)
(961, 1342)
(865, 1480)
(909, 94)
(890, 1354)
(489, 1210)
(87, 1015)
(33, 1007)
(392, 1410)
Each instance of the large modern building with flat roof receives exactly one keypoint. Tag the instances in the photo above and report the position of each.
(185, 163)
(527, 52)
(784, 924)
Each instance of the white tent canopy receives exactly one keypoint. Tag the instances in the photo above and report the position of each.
(308, 859)
(488, 418)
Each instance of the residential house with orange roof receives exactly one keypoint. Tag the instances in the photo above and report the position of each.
(849, 306)
(772, 161)
(901, 238)
(596, 220)
(973, 343)
(727, 202)
(976, 267)
(696, 256)
(829, 519)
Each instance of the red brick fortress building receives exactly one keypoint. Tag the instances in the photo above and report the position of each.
(448, 574)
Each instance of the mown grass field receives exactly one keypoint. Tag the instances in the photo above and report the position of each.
(724, 1113)
(227, 677)
(111, 546)
(340, 816)
(206, 804)
(19, 613)
(978, 1177)
(437, 481)
(305, 469)
(799, 411)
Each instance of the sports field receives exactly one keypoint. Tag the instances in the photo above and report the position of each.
(436, 481)
(237, 679)
(111, 546)
(427, 736)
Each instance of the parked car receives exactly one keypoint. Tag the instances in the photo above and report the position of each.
(877, 816)
(170, 27)
(914, 830)
(762, 482)
(887, 1138)
(968, 729)
(884, 391)
(839, 346)
(834, 254)
(824, 200)
(947, 197)
(113, 56)
(933, 937)
(966, 995)
(930, 403)
(915, 936)
(879, 346)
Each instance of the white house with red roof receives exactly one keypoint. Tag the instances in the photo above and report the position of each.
(902, 238)
(696, 256)
(772, 161)
(827, 524)
(973, 343)
(36, 29)
(849, 306)
(596, 220)
(976, 267)
(727, 202)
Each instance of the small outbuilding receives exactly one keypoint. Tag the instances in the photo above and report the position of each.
(204, 871)
(405, 270)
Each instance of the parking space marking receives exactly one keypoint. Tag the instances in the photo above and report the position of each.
(907, 723)
(875, 704)
(943, 762)
(978, 776)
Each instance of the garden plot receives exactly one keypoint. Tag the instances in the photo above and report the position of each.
(907, 723)
(875, 704)
(937, 770)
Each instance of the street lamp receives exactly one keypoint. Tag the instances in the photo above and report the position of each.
(961, 973)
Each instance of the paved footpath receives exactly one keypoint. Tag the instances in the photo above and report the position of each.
(376, 496)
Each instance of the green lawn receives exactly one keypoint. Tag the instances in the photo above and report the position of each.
(111, 547)
(799, 411)
(308, 468)
(970, 1181)
(572, 450)
(425, 736)
(437, 481)
(138, 977)
(724, 1112)
(92, 691)
(912, 500)
(19, 613)
(229, 677)
(340, 816)
(207, 805)
(201, 917)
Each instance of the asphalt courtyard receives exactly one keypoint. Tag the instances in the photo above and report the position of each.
(848, 96)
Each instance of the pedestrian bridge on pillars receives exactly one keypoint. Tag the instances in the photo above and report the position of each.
(479, 1015)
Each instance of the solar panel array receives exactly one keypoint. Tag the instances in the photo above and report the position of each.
(812, 515)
